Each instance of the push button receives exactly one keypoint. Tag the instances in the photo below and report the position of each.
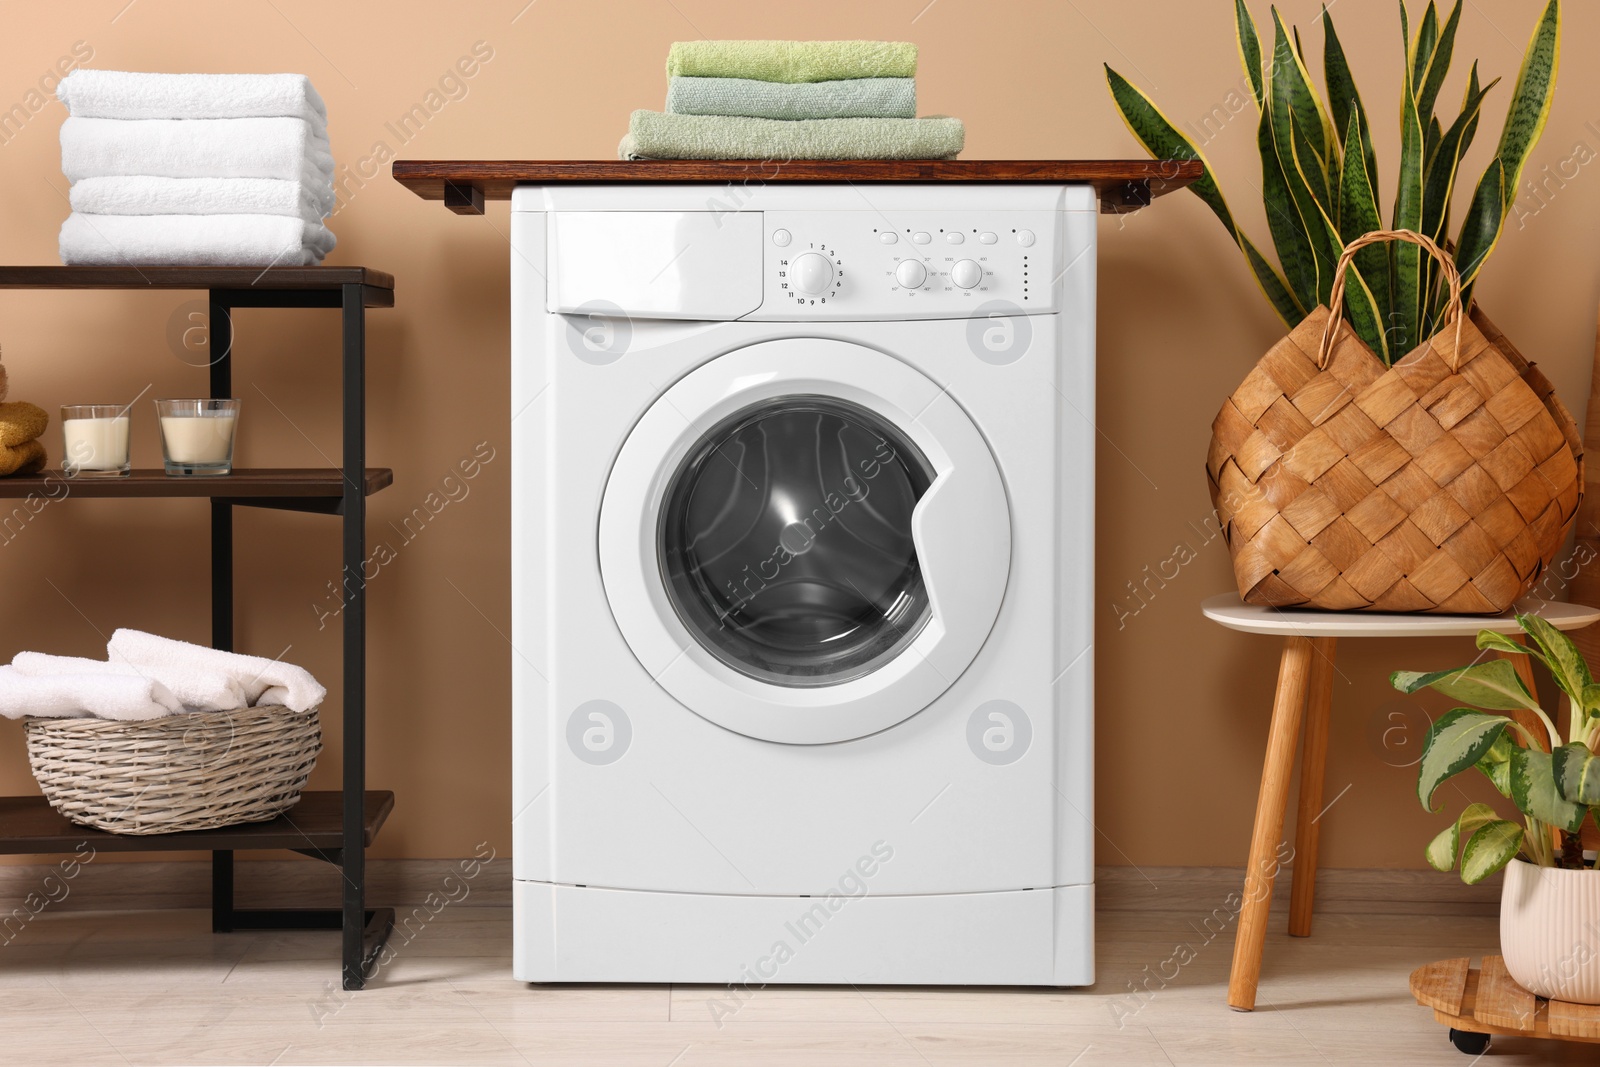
(781, 237)
(888, 237)
(1024, 238)
(987, 238)
(955, 237)
(921, 237)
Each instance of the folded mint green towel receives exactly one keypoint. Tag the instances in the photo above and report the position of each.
(849, 98)
(792, 61)
(653, 135)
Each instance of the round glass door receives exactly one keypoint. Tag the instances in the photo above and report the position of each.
(786, 544)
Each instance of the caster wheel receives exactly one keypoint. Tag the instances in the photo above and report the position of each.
(1470, 1043)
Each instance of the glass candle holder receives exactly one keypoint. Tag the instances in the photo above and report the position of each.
(95, 437)
(197, 435)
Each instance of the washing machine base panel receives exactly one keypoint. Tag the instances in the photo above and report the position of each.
(567, 933)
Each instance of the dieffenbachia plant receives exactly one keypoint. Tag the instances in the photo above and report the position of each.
(1319, 174)
(1554, 783)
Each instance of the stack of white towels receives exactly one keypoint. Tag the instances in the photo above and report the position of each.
(195, 170)
(148, 677)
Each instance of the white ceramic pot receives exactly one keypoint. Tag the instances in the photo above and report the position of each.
(1550, 931)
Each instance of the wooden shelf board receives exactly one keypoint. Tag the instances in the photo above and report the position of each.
(1122, 184)
(379, 286)
(29, 825)
(243, 483)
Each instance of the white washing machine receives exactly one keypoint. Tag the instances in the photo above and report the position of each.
(801, 565)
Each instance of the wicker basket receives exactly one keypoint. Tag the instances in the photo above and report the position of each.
(198, 771)
(1445, 483)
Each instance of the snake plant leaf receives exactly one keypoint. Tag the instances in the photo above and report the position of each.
(1163, 141)
(1430, 141)
(1530, 100)
(1472, 91)
(1443, 166)
(1492, 684)
(1534, 791)
(1457, 740)
(1577, 773)
(1288, 231)
(1272, 283)
(1343, 99)
(1290, 88)
(1408, 277)
(1249, 48)
(1432, 76)
(1421, 50)
(1442, 850)
(1566, 663)
(1309, 189)
(1367, 286)
(1493, 846)
(1480, 230)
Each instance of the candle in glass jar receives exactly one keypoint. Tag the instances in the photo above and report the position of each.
(197, 435)
(95, 437)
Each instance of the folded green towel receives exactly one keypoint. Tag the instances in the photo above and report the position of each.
(792, 61)
(849, 98)
(653, 135)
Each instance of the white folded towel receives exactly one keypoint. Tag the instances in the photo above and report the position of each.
(142, 194)
(265, 681)
(197, 689)
(116, 94)
(193, 240)
(79, 696)
(196, 148)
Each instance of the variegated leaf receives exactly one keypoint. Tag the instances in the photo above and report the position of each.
(1442, 850)
(1493, 846)
(1492, 684)
(1456, 741)
(1577, 773)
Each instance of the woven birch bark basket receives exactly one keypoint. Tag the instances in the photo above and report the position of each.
(198, 771)
(1444, 483)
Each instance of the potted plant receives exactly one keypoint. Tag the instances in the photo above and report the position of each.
(1320, 179)
(1550, 903)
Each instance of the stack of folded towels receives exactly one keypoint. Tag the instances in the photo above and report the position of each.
(148, 677)
(791, 100)
(195, 169)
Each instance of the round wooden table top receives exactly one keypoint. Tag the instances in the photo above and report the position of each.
(1228, 610)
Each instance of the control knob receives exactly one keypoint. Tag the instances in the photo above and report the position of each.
(966, 273)
(812, 273)
(911, 274)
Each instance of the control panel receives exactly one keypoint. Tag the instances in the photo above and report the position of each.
(856, 264)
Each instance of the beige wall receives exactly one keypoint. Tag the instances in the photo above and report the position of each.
(1182, 707)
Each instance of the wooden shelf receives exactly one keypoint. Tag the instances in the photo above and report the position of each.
(463, 185)
(31, 825)
(243, 484)
(378, 287)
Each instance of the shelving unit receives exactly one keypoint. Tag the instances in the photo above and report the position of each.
(334, 826)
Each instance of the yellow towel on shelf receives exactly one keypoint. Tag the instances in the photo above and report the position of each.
(21, 422)
(26, 458)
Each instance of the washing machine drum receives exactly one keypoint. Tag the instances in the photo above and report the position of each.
(786, 541)
(805, 541)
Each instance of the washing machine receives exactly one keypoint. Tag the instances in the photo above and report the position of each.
(801, 583)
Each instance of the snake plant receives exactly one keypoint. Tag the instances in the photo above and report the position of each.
(1555, 785)
(1319, 173)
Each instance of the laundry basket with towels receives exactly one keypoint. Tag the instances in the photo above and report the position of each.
(164, 736)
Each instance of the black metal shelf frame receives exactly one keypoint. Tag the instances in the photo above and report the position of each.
(364, 931)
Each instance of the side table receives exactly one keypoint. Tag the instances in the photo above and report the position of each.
(1305, 691)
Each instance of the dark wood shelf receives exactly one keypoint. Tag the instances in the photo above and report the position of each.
(463, 185)
(378, 287)
(244, 484)
(31, 825)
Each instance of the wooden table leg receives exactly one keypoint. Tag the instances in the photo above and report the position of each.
(1288, 707)
(1313, 766)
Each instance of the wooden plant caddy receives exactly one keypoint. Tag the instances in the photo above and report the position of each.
(335, 826)
(1477, 1003)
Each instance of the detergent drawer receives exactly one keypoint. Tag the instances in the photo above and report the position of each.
(655, 264)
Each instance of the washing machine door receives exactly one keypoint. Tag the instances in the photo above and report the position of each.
(805, 541)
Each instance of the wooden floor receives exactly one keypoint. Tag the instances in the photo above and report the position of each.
(157, 987)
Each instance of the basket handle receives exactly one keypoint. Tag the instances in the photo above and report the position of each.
(1453, 310)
